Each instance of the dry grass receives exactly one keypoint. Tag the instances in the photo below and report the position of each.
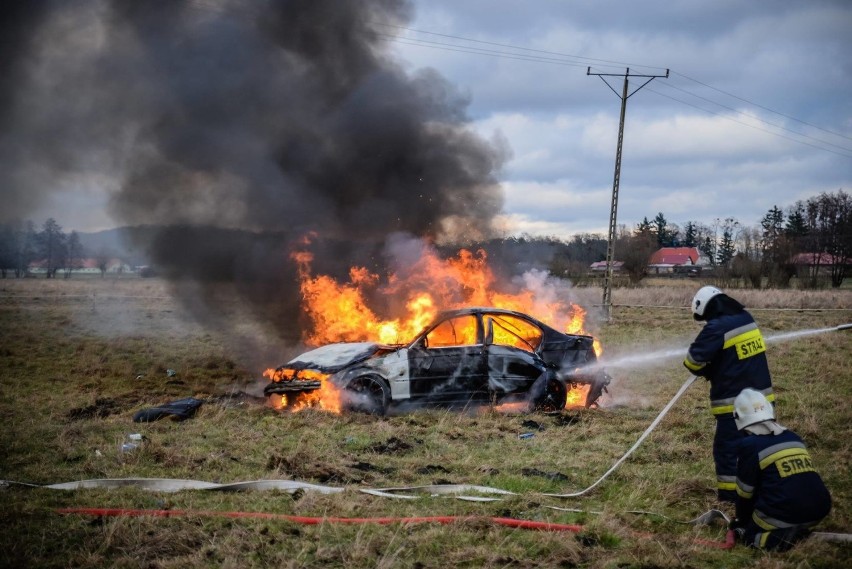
(78, 358)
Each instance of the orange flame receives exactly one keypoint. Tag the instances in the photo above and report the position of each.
(577, 396)
(327, 397)
(340, 311)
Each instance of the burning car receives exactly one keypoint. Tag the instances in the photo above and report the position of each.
(470, 356)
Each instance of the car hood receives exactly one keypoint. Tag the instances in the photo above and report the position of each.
(334, 357)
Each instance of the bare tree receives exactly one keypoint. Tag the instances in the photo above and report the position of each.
(26, 247)
(833, 229)
(102, 259)
(7, 248)
(74, 252)
(636, 251)
(52, 246)
(746, 263)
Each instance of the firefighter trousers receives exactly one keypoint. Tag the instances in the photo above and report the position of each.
(725, 444)
(780, 539)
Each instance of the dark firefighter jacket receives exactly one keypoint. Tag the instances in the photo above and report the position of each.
(777, 486)
(730, 352)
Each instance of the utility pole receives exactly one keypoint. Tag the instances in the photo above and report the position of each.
(610, 244)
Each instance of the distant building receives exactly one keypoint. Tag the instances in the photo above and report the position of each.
(821, 259)
(600, 267)
(88, 266)
(816, 263)
(671, 260)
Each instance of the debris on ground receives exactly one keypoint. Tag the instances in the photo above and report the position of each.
(177, 410)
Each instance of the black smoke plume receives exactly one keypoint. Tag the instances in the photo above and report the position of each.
(238, 127)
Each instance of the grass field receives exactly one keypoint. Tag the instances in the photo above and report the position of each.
(78, 358)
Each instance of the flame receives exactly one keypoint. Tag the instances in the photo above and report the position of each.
(341, 312)
(327, 397)
(577, 396)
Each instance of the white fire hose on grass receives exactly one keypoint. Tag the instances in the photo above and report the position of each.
(176, 485)
(647, 432)
(171, 485)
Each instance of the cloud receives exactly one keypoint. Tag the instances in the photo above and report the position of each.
(699, 145)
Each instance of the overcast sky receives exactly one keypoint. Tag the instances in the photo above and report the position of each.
(756, 111)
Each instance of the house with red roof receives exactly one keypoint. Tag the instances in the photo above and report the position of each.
(676, 260)
(819, 259)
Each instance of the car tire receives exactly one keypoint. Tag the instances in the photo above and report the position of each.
(553, 397)
(368, 394)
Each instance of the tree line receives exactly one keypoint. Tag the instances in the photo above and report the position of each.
(814, 236)
(768, 254)
(22, 243)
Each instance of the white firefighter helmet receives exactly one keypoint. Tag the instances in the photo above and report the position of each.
(751, 407)
(701, 298)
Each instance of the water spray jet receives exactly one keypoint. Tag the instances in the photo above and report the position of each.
(655, 357)
(690, 380)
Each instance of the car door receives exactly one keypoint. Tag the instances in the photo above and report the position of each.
(447, 364)
(511, 344)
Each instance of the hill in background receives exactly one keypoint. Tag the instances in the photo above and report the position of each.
(130, 244)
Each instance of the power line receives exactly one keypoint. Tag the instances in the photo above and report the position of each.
(762, 107)
(574, 60)
(758, 119)
(750, 125)
(555, 60)
(480, 51)
(580, 58)
(610, 243)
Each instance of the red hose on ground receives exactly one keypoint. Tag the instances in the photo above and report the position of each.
(509, 522)
(730, 541)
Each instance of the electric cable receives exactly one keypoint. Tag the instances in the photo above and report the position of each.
(577, 61)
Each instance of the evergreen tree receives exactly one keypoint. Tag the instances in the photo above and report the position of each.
(644, 228)
(796, 225)
(726, 248)
(660, 227)
(708, 247)
(690, 236)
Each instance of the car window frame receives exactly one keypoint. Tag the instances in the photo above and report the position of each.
(495, 318)
(423, 343)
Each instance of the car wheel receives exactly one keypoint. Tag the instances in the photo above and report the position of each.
(553, 398)
(368, 394)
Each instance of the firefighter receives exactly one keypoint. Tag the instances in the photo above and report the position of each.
(779, 494)
(730, 353)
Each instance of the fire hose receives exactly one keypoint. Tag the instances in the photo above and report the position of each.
(311, 520)
(392, 492)
(644, 435)
(174, 485)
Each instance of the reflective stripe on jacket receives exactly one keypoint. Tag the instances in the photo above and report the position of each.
(731, 353)
(777, 485)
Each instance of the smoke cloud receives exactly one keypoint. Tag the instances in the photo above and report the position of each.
(234, 128)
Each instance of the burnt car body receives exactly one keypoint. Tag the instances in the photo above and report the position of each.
(471, 356)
